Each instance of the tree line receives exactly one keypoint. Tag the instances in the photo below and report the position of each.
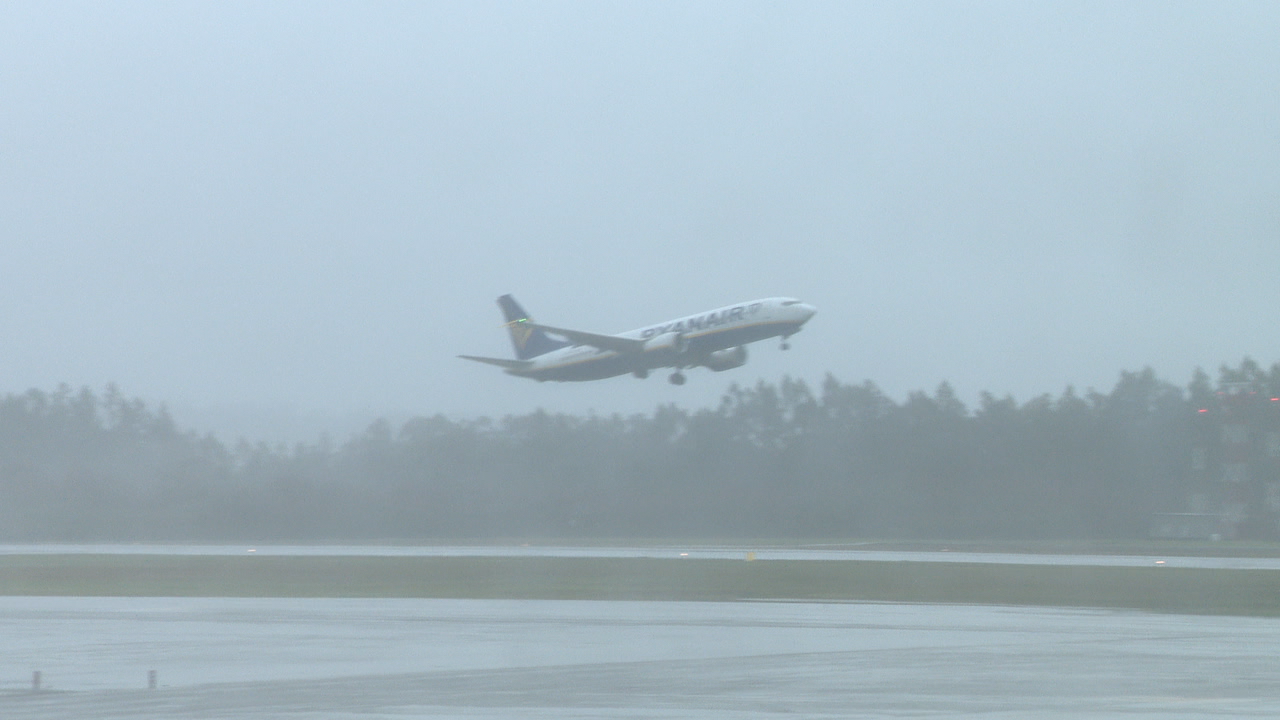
(774, 460)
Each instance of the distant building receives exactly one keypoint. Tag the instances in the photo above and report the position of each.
(1235, 464)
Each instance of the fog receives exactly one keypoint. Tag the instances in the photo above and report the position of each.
(770, 461)
(288, 218)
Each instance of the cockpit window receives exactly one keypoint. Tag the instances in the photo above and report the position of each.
(790, 302)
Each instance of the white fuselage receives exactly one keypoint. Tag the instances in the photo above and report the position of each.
(684, 342)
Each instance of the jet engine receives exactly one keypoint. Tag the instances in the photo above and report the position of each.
(726, 359)
(672, 344)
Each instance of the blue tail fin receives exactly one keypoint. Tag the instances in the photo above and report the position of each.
(529, 342)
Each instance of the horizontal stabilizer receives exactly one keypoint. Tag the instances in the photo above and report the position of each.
(500, 362)
(604, 342)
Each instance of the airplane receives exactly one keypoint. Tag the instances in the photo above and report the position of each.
(716, 340)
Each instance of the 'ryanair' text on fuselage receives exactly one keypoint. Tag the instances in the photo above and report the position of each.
(715, 339)
(699, 323)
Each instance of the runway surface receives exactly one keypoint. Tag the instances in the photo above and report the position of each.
(706, 552)
(382, 658)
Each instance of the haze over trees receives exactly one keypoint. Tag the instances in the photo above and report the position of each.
(774, 460)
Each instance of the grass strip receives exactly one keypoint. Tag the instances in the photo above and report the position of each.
(1162, 589)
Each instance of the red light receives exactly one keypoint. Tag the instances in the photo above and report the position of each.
(1204, 410)
(1275, 399)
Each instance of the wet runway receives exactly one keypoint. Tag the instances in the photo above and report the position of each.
(705, 552)
(380, 658)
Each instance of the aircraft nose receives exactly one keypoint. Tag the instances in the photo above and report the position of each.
(808, 310)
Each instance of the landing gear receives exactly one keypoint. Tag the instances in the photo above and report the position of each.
(677, 378)
(785, 345)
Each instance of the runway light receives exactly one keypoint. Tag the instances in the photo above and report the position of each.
(1203, 410)
(684, 554)
(252, 550)
(1159, 562)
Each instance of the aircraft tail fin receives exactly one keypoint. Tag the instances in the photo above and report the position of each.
(529, 342)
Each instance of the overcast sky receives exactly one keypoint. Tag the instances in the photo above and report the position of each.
(284, 218)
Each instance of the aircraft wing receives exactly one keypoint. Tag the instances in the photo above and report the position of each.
(500, 362)
(617, 344)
